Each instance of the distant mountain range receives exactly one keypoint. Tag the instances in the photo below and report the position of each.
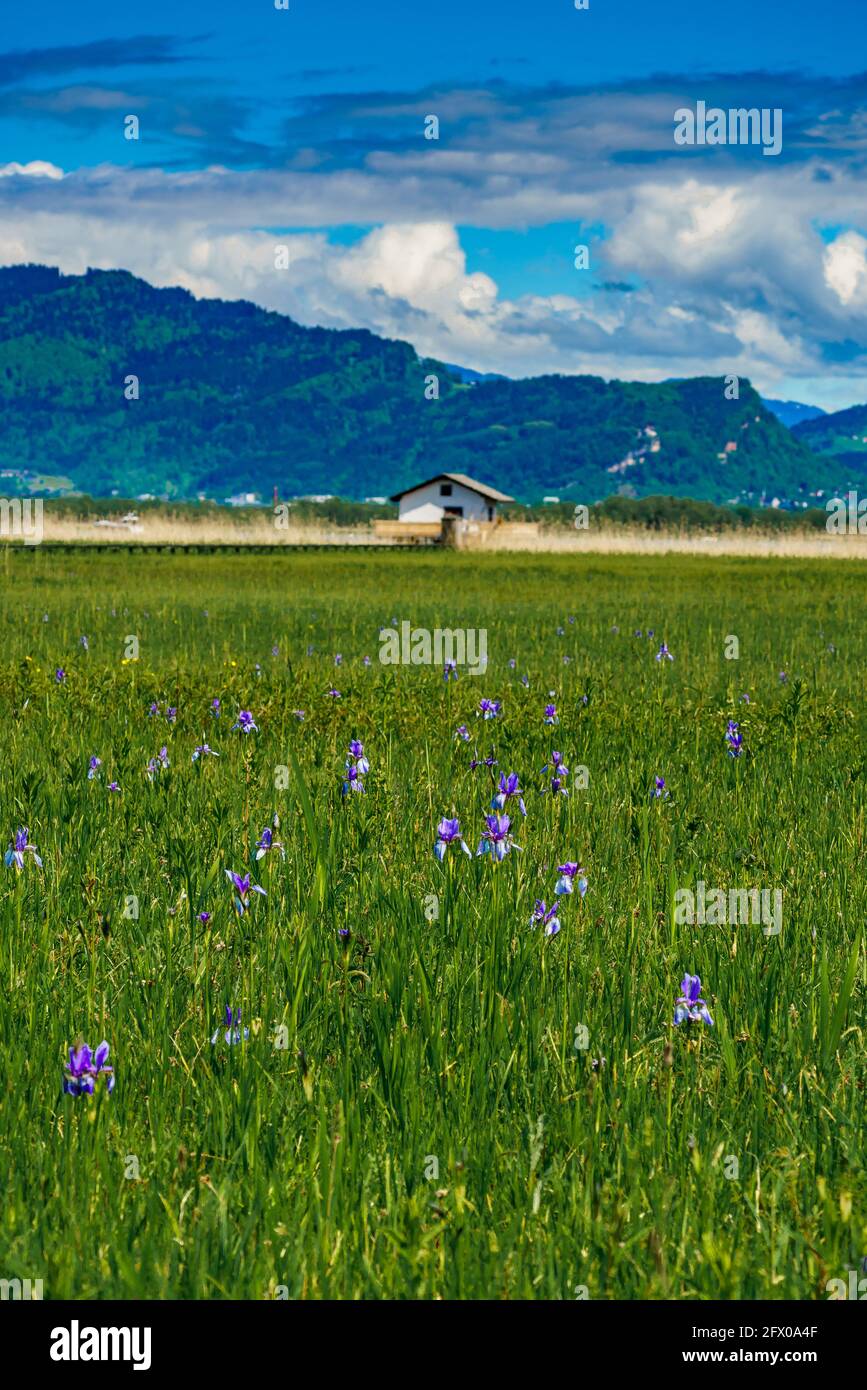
(793, 412)
(110, 384)
(841, 437)
(470, 377)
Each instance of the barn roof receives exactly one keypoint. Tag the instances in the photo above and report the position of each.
(482, 489)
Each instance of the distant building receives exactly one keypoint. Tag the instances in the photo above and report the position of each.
(244, 499)
(449, 494)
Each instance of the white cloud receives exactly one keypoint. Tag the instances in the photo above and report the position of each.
(37, 168)
(846, 268)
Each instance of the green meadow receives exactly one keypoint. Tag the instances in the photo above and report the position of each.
(435, 1100)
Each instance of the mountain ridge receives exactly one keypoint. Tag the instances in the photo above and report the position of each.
(119, 385)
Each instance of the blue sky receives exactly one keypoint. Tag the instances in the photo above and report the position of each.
(305, 128)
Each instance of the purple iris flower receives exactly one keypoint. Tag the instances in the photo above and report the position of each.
(556, 763)
(19, 847)
(338, 660)
(93, 767)
(508, 788)
(489, 761)
(154, 709)
(525, 681)
(202, 750)
(333, 694)
(171, 713)
(233, 1033)
(204, 918)
(690, 1007)
(496, 839)
(558, 768)
(245, 723)
(463, 733)
(267, 842)
(512, 663)
(546, 917)
(243, 889)
(745, 699)
(357, 767)
(734, 739)
(60, 675)
(84, 1067)
(447, 832)
(663, 654)
(158, 764)
(215, 707)
(569, 873)
(299, 714)
(84, 643)
(113, 787)
(551, 714)
(356, 751)
(783, 677)
(352, 781)
(450, 670)
(489, 709)
(559, 773)
(659, 788)
(275, 650)
(365, 661)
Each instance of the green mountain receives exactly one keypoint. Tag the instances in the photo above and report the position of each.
(232, 398)
(842, 437)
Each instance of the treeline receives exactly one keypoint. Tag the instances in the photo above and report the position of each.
(669, 514)
(335, 511)
(677, 514)
(302, 510)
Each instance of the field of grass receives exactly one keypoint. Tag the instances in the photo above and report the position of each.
(433, 1127)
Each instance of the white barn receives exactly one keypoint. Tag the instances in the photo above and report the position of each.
(449, 494)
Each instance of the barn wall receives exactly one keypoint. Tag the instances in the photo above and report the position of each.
(425, 503)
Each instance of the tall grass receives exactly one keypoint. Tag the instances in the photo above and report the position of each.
(431, 1129)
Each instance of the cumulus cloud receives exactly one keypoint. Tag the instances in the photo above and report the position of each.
(701, 263)
(37, 168)
(846, 268)
(412, 281)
